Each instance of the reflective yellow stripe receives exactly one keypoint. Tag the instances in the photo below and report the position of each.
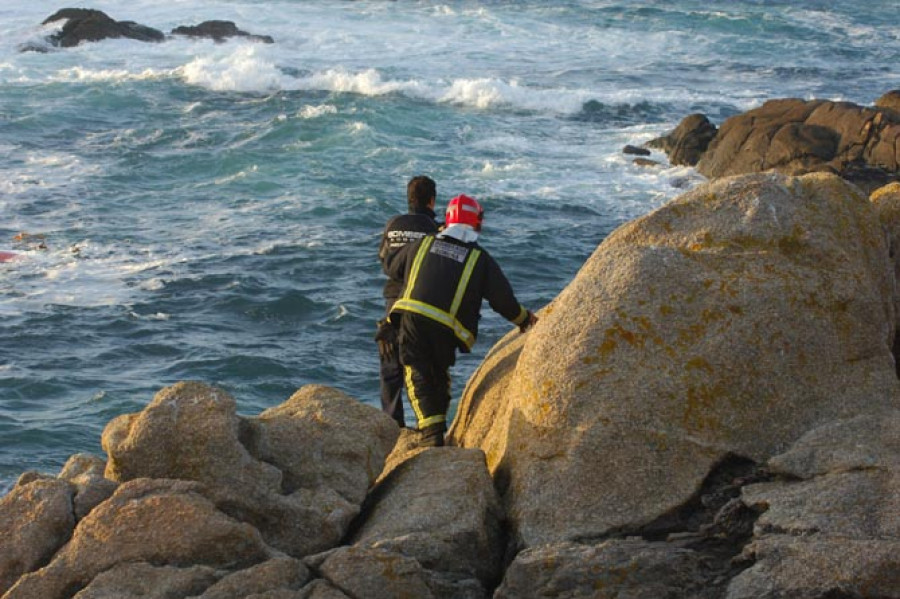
(448, 319)
(432, 420)
(438, 315)
(464, 281)
(523, 314)
(421, 420)
(417, 263)
(411, 391)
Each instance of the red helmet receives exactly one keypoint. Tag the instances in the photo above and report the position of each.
(465, 210)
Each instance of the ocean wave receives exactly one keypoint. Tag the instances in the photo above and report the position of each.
(244, 70)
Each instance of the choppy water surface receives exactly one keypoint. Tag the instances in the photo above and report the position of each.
(211, 211)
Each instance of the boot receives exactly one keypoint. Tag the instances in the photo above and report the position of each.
(432, 435)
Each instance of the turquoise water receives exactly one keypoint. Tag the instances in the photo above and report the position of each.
(211, 211)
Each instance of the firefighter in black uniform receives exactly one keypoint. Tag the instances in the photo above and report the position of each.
(446, 276)
(421, 193)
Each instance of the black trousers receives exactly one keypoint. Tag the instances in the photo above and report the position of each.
(392, 386)
(427, 351)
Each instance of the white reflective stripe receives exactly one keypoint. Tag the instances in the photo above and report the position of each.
(464, 282)
(438, 315)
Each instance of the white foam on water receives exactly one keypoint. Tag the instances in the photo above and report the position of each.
(246, 69)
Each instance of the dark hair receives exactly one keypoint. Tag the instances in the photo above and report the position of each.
(419, 191)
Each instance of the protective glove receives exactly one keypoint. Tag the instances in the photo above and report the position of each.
(529, 322)
(386, 338)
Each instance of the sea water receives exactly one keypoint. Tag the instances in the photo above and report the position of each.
(193, 210)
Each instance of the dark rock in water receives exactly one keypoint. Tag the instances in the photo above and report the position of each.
(688, 141)
(34, 47)
(635, 150)
(219, 31)
(645, 162)
(89, 25)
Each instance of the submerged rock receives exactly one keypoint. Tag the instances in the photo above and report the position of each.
(219, 31)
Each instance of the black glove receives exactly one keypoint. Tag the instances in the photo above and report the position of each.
(386, 338)
(529, 322)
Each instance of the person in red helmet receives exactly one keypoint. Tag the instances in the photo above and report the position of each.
(445, 278)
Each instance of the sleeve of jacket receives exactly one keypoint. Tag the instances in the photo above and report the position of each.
(499, 294)
(383, 247)
(395, 262)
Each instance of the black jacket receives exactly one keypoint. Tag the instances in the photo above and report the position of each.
(398, 232)
(446, 280)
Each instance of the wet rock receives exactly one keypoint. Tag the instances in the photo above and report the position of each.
(36, 519)
(636, 151)
(688, 141)
(219, 31)
(645, 162)
(795, 136)
(89, 25)
(731, 321)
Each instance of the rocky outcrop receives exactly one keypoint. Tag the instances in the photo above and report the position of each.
(440, 508)
(36, 519)
(794, 137)
(219, 31)
(758, 295)
(161, 522)
(688, 141)
(302, 496)
(710, 410)
(89, 25)
(833, 527)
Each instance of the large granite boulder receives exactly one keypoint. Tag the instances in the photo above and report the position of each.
(89, 25)
(160, 522)
(832, 527)
(731, 321)
(795, 136)
(299, 472)
(36, 519)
